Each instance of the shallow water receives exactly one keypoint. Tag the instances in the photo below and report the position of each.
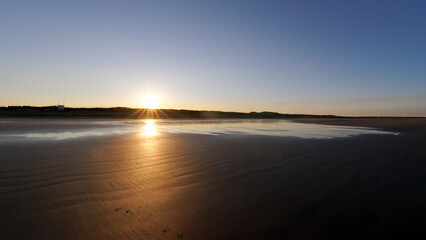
(21, 130)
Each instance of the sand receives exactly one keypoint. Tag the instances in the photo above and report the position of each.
(216, 187)
(415, 125)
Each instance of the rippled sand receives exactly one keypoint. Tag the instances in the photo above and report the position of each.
(186, 186)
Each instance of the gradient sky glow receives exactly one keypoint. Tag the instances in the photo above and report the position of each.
(320, 57)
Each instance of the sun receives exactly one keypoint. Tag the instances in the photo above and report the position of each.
(150, 102)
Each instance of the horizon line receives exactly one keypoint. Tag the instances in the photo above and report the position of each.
(222, 111)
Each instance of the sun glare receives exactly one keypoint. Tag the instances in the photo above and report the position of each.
(149, 128)
(150, 102)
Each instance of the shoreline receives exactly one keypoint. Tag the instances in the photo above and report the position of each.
(402, 124)
(399, 124)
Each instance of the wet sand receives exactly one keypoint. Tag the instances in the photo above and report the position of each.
(183, 186)
(390, 124)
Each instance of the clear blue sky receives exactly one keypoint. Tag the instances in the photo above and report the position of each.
(322, 57)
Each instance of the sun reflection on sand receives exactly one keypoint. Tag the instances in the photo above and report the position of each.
(149, 129)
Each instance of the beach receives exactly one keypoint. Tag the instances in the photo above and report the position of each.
(216, 186)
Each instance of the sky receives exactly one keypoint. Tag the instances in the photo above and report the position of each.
(351, 58)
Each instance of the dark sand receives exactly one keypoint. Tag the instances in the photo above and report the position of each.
(217, 187)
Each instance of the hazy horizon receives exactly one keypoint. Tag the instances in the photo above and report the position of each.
(331, 58)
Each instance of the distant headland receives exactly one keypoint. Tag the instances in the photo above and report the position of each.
(142, 113)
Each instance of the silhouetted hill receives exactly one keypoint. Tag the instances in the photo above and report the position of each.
(122, 112)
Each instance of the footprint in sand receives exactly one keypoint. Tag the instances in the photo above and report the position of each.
(180, 236)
